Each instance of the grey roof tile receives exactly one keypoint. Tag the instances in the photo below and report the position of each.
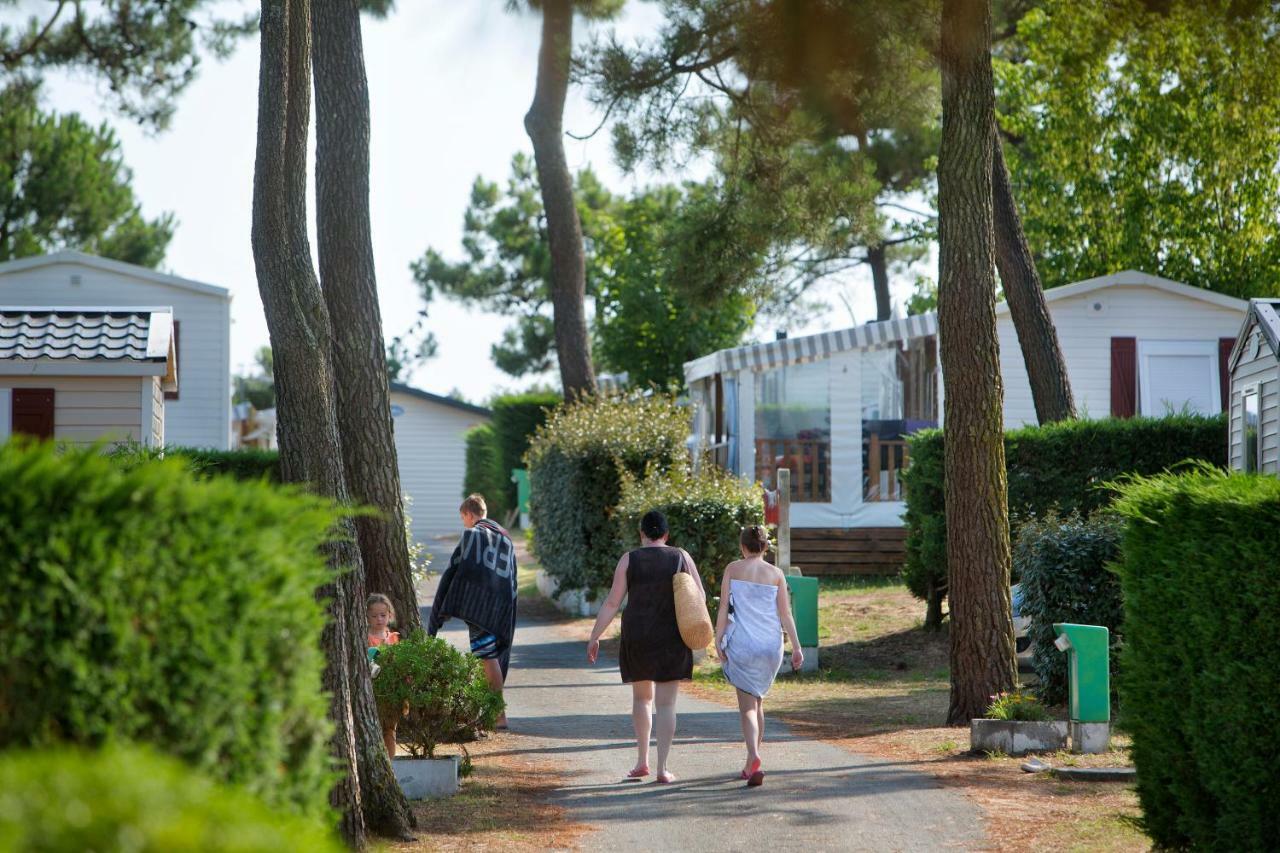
(67, 333)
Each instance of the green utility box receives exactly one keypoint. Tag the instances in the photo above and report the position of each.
(1088, 650)
(520, 477)
(804, 608)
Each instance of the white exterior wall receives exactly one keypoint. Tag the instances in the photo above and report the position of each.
(432, 451)
(201, 416)
(1139, 311)
(85, 408)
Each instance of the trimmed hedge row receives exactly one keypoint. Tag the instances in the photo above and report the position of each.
(142, 603)
(706, 513)
(1063, 466)
(577, 462)
(1200, 570)
(1064, 564)
(133, 799)
(483, 470)
(516, 418)
(249, 463)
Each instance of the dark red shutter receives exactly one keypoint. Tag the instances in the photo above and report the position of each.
(33, 411)
(1225, 345)
(177, 356)
(1124, 377)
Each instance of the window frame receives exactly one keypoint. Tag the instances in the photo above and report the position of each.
(1252, 390)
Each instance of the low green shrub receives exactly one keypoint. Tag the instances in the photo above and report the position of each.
(516, 418)
(482, 472)
(1200, 568)
(121, 798)
(1063, 466)
(577, 461)
(148, 604)
(1064, 566)
(445, 691)
(1017, 705)
(706, 512)
(248, 463)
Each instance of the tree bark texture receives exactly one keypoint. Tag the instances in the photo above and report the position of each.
(310, 449)
(349, 283)
(1046, 368)
(545, 125)
(982, 653)
(877, 259)
(350, 292)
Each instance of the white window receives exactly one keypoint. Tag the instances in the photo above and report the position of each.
(1177, 376)
(1249, 428)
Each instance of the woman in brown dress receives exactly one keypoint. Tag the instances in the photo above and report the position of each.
(653, 658)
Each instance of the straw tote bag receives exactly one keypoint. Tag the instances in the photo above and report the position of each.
(691, 612)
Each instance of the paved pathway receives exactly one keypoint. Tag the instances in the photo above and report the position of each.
(815, 797)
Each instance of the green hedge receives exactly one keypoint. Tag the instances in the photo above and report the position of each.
(248, 463)
(1200, 569)
(577, 461)
(147, 604)
(706, 513)
(127, 799)
(1063, 466)
(516, 418)
(1064, 566)
(482, 473)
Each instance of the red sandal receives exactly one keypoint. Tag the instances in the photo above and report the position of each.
(755, 767)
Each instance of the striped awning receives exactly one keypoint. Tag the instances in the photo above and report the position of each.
(811, 347)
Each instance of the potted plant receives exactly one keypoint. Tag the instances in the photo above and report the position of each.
(443, 697)
(1016, 723)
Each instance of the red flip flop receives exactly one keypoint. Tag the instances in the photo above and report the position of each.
(756, 780)
(746, 774)
(638, 773)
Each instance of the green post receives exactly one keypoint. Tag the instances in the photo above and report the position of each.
(804, 608)
(520, 477)
(1088, 650)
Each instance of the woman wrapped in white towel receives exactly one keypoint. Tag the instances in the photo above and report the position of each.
(754, 611)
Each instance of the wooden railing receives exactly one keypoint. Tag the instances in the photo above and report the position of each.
(809, 461)
(882, 479)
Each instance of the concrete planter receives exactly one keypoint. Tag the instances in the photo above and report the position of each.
(1017, 737)
(421, 778)
(575, 602)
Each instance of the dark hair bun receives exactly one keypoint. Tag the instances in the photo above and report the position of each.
(755, 538)
(654, 525)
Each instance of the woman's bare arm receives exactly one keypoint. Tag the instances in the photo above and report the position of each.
(722, 616)
(609, 608)
(693, 570)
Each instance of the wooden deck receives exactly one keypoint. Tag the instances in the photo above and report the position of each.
(858, 551)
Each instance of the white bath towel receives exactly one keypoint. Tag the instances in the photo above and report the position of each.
(753, 641)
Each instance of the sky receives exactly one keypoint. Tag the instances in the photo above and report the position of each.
(449, 85)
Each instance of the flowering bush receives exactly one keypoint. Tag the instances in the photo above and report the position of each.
(1016, 705)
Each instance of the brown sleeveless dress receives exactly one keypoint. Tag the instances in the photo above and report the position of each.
(651, 646)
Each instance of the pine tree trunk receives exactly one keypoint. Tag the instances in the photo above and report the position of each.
(349, 282)
(350, 292)
(1046, 368)
(310, 449)
(545, 125)
(878, 260)
(982, 655)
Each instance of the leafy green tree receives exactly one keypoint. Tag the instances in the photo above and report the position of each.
(64, 184)
(1144, 135)
(257, 389)
(638, 252)
(647, 325)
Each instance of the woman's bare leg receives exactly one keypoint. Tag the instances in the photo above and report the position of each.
(666, 694)
(760, 719)
(749, 716)
(642, 720)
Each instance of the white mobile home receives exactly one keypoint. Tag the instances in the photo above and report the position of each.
(837, 407)
(198, 409)
(430, 436)
(1254, 437)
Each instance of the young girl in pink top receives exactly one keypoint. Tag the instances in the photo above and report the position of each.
(380, 612)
